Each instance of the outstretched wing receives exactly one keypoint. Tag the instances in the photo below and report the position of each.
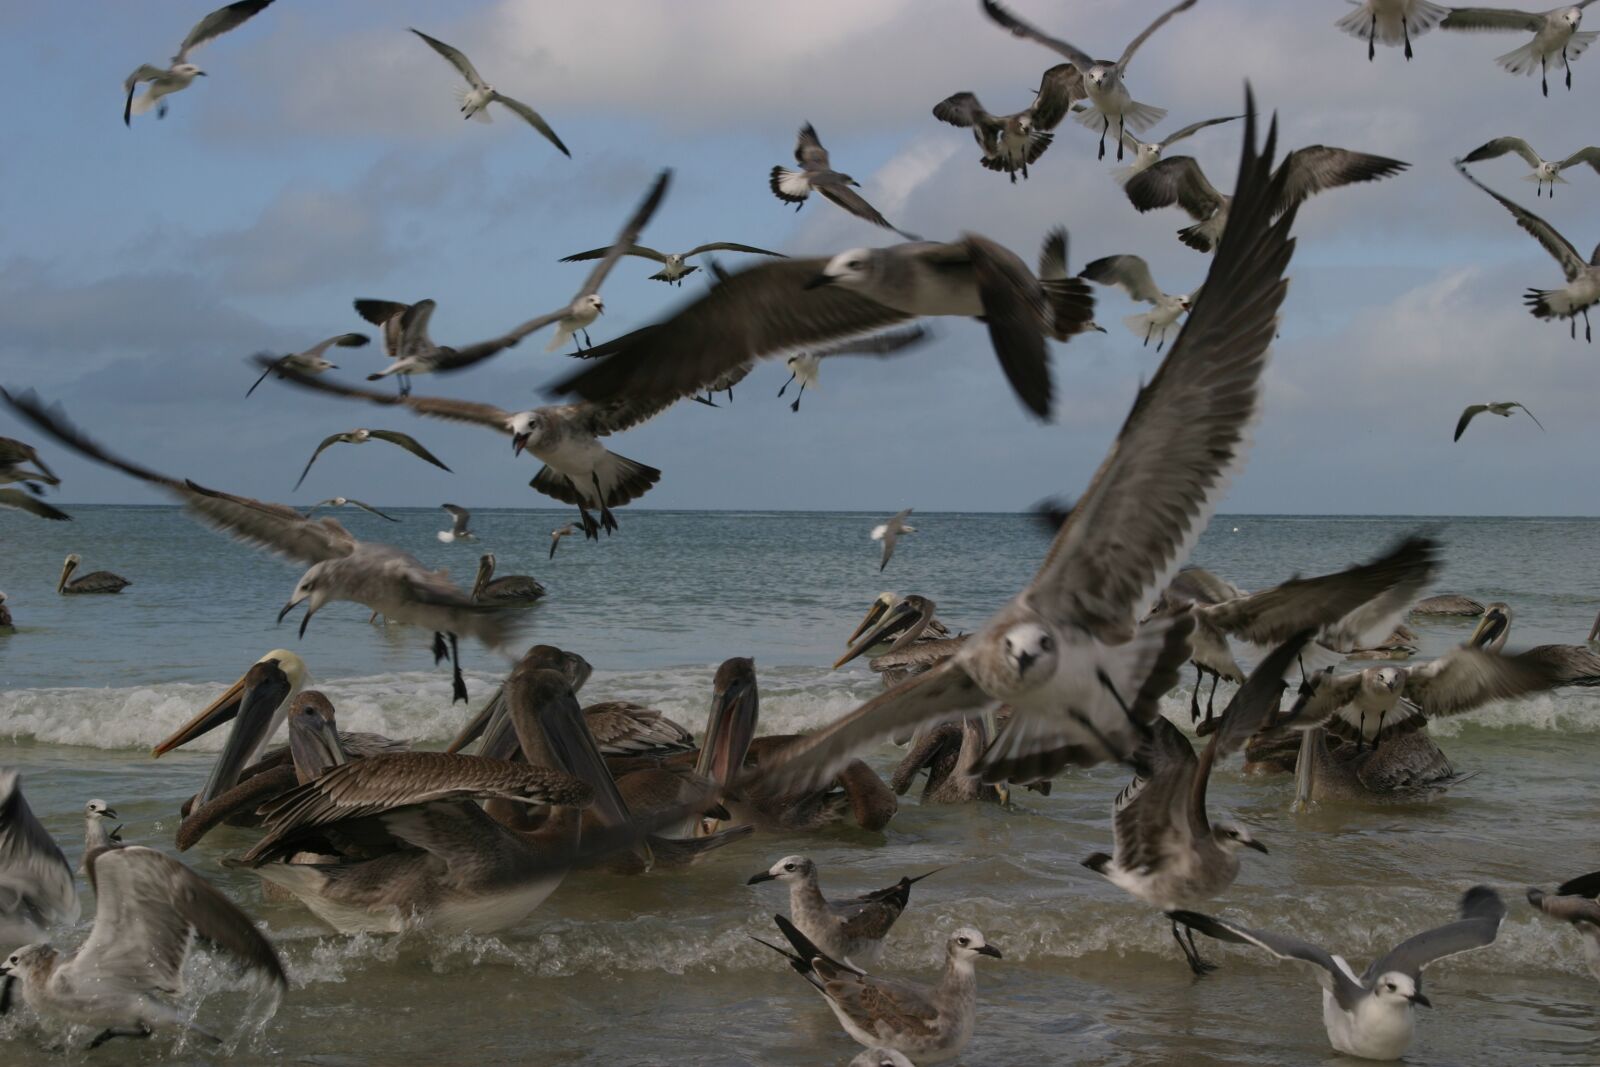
(1079, 58)
(1468, 413)
(218, 23)
(1467, 678)
(1317, 168)
(1499, 147)
(1161, 20)
(410, 444)
(534, 119)
(16, 498)
(731, 246)
(1130, 273)
(1482, 911)
(1492, 18)
(1194, 128)
(1174, 180)
(599, 253)
(457, 59)
(1572, 264)
(438, 407)
(1346, 989)
(327, 442)
(1058, 88)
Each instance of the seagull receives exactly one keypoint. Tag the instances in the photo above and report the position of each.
(13, 455)
(149, 911)
(508, 589)
(459, 517)
(93, 583)
(339, 567)
(97, 835)
(674, 267)
(889, 533)
(362, 436)
(341, 501)
(1306, 172)
(1555, 36)
(1168, 852)
(1503, 408)
(405, 336)
(36, 886)
(1102, 78)
(578, 470)
(475, 102)
(848, 930)
(1372, 1016)
(806, 366)
(1574, 902)
(310, 361)
(1011, 142)
(1545, 171)
(1132, 275)
(817, 174)
(931, 1023)
(1066, 653)
(579, 317)
(557, 534)
(793, 303)
(1582, 290)
(1147, 153)
(180, 72)
(1391, 21)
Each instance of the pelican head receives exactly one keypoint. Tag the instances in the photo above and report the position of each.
(900, 625)
(788, 869)
(851, 270)
(314, 744)
(494, 725)
(485, 572)
(70, 564)
(882, 603)
(1493, 628)
(1231, 837)
(1396, 988)
(256, 704)
(311, 590)
(731, 725)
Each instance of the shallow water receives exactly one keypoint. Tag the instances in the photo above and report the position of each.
(661, 969)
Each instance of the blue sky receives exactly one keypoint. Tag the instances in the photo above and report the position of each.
(324, 159)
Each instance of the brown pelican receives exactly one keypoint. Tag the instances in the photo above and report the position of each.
(511, 589)
(384, 579)
(93, 583)
(1569, 664)
(622, 728)
(1408, 767)
(950, 754)
(922, 655)
(5, 616)
(492, 723)
(1448, 604)
(1574, 902)
(149, 911)
(13, 454)
(892, 624)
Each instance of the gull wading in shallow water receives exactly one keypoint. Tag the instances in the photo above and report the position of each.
(180, 72)
(339, 567)
(476, 100)
(1067, 654)
(850, 930)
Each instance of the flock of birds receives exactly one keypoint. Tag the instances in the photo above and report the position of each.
(374, 836)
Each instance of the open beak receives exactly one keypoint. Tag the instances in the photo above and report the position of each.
(109, 813)
(1418, 998)
(518, 443)
(1257, 845)
(764, 876)
(900, 620)
(818, 281)
(989, 950)
(253, 701)
(735, 711)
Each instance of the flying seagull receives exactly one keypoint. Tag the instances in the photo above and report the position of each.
(1391, 22)
(791, 304)
(339, 567)
(1132, 275)
(475, 101)
(1555, 36)
(341, 501)
(39, 889)
(1545, 171)
(413, 352)
(1305, 171)
(310, 361)
(1067, 653)
(578, 469)
(459, 519)
(1011, 142)
(1372, 1015)
(850, 930)
(1503, 408)
(1102, 78)
(362, 436)
(15, 460)
(180, 72)
(889, 533)
(557, 534)
(806, 366)
(149, 911)
(1147, 153)
(674, 265)
(1582, 290)
(817, 174)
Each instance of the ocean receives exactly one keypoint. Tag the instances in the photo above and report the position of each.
(662, 969)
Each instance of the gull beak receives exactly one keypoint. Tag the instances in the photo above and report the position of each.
(518, 443)
(819, 281)
(989, 950)
(109, 813)
(1257, 845)
(1418, 998)
(764, 876)
(333, 366)
(201, 74)
(735, 710)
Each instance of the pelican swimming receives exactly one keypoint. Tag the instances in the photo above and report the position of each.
(511, 589)
(949, 754)
(93, 583)
(891, 624)
(1569, 664)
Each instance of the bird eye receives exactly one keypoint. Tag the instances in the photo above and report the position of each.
(963, 940)
(788, 866)
(1047, 642)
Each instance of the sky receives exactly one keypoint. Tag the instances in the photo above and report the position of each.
(324, 159)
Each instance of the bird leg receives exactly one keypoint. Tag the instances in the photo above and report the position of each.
(112, 1031)
(1122, 129)
(795, 407)
(1379, 735)
(1149, 328)
(1194, 696)
(440, 649)
(1104, 129)
(405, 385)
(1544, 78)
(607, 520)
(1361, 733)
(1190, 954)
(586, 342)
(785, 385)
(591, 529)
(161, 113)
(458, 684)
(1210, 700)
(1588, 331)
(1405, 30)
(1565, 62)
(1372, 39)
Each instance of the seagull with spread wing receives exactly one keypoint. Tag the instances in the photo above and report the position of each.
(1391, 22)
(361, 436)
(1131, 274)
(816, 174)
(178, 74)
(341, 501)
(476, 100)
(674, 265)
(806, 366)
(1011, 142)
(1582, 290)
(311, 361)
(1147, 154)
(1503, 408)
(1556, 36)
(1545, 171)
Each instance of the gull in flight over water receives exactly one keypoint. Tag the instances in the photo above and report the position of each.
(341, 501)
(1545, 171)
(889, 533)
(1372, 1015)
(362, 436)
(459, 519)
(1556, 36)
(1503, 408)
(476, 100)
(1391, 22)
(310, 361)
(180, 72)
(816, 174)
(1582, 290)
(557, 534)
(1103, 79)
(806, 366)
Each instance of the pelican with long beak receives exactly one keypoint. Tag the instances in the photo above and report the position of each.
(1567, 664)
(890, 627)
(257, 705)
(101, 582)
